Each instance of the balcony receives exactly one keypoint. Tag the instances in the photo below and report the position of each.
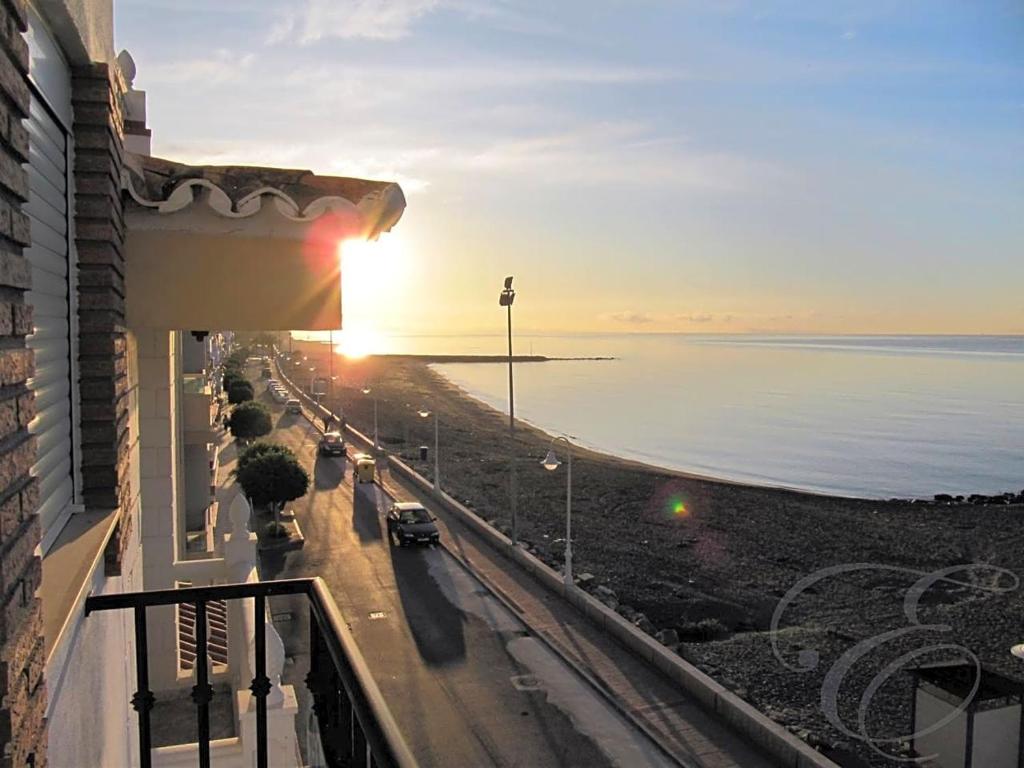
(199, 410)
(353, 726)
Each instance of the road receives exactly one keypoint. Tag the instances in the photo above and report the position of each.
(464, 678)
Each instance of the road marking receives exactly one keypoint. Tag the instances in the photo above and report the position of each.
(376, 615)
(284, 616)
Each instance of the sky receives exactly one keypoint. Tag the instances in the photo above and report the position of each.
(851, 166)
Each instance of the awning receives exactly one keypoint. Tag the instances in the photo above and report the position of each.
(243, 248)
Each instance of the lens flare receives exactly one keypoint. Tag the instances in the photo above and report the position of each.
(677, 507)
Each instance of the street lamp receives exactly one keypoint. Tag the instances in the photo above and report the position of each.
(551, 463)
(505, 299)
(376, 443)
(424, 414)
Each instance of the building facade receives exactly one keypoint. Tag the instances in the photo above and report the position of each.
(109, 445)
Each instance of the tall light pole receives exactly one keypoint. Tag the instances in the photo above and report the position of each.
(424, 413)
(505, 299)
(551, 463)
(376, 443)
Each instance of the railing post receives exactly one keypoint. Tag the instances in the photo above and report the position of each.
(261, 683)
(143, 699)
(202, 691)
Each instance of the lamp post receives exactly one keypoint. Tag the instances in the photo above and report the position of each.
(551, 463)
(424, 414)
(505, 299)
(376, 443)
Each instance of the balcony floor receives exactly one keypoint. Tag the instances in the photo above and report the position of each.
(174, 719)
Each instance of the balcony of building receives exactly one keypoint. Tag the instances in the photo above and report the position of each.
(199, 410)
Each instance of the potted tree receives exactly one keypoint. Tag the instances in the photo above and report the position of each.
(271, 476)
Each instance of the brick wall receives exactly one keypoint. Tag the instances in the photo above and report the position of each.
(22, 727)
(97, 94)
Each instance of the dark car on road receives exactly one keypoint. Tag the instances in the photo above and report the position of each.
(410, 523)
(332, 444)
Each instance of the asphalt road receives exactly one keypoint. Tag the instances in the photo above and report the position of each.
(465, 680)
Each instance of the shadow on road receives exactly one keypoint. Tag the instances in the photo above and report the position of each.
(366, 519)
(286, 420)
(328, 473)
(436, 624)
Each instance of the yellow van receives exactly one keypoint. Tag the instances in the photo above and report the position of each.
(365, 468)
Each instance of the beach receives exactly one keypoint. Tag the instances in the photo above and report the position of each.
(713, 560)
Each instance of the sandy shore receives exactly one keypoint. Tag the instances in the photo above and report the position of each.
(712, 560)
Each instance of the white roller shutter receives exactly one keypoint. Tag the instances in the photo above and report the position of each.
(51, 257)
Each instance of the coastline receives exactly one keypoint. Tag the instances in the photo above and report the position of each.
(710, 559)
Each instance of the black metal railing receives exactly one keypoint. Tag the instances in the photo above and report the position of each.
(356, 726)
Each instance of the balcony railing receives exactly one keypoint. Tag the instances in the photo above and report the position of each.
(356, 726)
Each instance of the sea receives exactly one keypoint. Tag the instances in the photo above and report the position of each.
(864, 416)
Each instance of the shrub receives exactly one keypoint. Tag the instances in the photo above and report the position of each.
(232, 377)
(256, 451)
(272, 477)
(240, 392)
(250, 420)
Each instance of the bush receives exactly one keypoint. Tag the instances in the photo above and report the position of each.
(256, 451)
(250, 420)
(232, 377)
(272, 476)
(240, 392)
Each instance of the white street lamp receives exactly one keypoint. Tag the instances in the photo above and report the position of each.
(424, 414)
(376, 443)
(551, 463)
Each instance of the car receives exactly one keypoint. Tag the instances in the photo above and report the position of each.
(364, 468)
(410, 523)
(293, 406)
(332, 444)
(279, 397)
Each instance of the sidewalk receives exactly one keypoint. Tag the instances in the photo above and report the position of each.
(669, 715)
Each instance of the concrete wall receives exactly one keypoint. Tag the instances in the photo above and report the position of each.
(193, 354)
(997, 738)
(948, 743)
(197, 486)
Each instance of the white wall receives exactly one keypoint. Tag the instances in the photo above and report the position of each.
(948, 743)
(997, 737)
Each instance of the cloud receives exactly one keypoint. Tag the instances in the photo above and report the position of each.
(224, 66)
(701, 317)
(630, 317)
(352, 19)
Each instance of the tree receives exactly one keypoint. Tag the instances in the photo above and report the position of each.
(232, 376)
(250, 420)
(271, 476)
(240, 391)
(257, 451)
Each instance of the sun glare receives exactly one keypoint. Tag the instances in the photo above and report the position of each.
(358, 342)
(372, 275)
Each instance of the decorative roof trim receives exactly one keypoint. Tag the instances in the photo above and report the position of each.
(185, 194)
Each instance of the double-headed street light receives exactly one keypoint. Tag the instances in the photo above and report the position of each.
(425, 414)
(505, 299)
(551, 463)
(376, 443)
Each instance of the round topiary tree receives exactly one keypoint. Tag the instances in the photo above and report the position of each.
(272, 476)
(240, 392)
(250, 420)
(232, 376)
(256, 451)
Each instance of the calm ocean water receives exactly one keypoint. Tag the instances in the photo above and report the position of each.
(867, 416)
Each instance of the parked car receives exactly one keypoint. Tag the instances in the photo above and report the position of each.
(279, 396)
(410, 523)
(332, 444)
(266, 372)
(293, 406)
